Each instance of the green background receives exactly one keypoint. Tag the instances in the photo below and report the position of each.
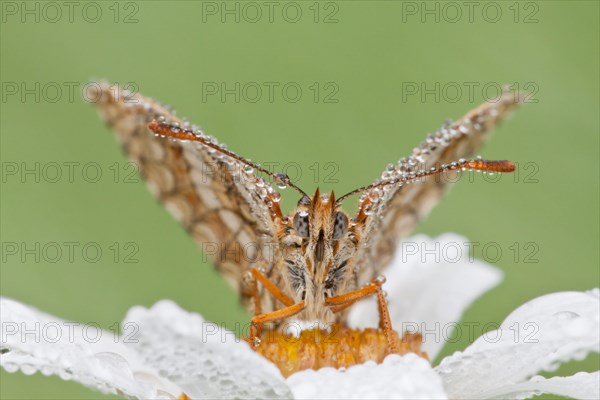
(168, 51)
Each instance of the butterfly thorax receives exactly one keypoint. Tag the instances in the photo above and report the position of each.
(317, 246)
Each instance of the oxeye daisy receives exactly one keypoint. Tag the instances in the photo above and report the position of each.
(168, 353)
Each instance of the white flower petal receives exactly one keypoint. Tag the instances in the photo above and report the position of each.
(406, 377)
(33, 341)
(536, 337)
(205, 360)
(583, 385)
(430, 283)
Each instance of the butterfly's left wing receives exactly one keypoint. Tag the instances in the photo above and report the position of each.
(226, 208)
(387, 215)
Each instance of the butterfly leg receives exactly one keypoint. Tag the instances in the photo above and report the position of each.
(343, 301)
(255, 276)
(271, 287)
(385, 322)
(254, 292)
(261, 319)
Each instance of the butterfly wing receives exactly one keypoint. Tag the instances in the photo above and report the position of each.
(389, 215)
(224, 207)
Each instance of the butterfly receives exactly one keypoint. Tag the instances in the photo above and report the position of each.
(314, 262)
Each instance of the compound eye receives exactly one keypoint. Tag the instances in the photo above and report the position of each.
(340, 225)
(301, 223)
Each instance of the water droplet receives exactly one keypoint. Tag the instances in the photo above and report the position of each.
(374, 195)
(28, 369)
(46, 370)
(566, 315)
(276, 197)
(11, 367)
(65, 375)
(385, 175)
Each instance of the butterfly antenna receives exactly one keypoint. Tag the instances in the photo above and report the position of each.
(472, 165)
(172, 131)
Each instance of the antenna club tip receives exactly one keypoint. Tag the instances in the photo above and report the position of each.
(510, 166)
(171, 131)
(491, 166)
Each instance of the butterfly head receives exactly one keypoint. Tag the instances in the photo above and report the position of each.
(321, 224)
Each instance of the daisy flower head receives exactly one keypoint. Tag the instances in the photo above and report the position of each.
(165, 352)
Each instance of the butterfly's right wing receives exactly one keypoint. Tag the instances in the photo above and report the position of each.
(225, 207)
(389, 215)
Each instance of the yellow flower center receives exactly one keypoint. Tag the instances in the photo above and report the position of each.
(341, 347)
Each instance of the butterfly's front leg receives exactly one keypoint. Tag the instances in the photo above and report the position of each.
(259, 320)
(343, 301)
(271, 287)
(254, 276)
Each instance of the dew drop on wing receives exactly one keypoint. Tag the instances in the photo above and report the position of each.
(276, 197)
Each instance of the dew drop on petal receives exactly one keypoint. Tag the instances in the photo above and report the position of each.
(46, 370)
(28, 369)
(65, 375)
(566, 315)
(10, 367)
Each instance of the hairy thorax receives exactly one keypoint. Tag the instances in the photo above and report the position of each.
(317, 242)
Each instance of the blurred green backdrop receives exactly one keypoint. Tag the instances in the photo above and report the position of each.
(368, 52)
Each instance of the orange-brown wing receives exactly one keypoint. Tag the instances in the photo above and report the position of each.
(224, 206)
(391, 213)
